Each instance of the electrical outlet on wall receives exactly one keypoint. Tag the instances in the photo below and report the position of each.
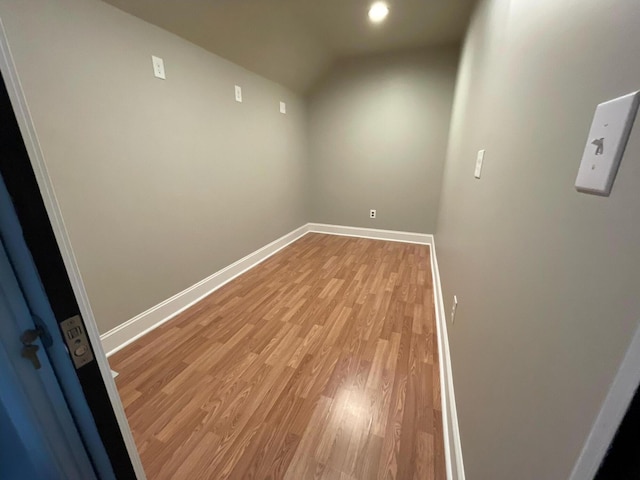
(372, 214)
(453, 309)
(158, 67)
(238, 91)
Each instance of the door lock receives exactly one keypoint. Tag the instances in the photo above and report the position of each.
(31, 335)
(77, 341)
(30, 351)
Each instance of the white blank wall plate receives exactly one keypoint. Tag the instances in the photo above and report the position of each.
(454, 308)
(479, 162)
(283, 108)
(158, 67)
(238, 93)
(607, 140)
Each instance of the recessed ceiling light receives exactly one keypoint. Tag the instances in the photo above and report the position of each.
(378, 12)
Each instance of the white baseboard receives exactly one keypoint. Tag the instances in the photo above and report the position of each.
(131, 330)
(452, 444)
(389, 235)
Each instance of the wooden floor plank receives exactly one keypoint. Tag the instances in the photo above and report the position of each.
(321, 362)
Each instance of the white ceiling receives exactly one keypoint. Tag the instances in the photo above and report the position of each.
(293, 42)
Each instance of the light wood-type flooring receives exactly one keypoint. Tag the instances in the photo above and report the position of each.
(321, 362)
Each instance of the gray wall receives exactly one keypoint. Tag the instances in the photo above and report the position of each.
(161, 183)
(547, 278)
(378, 136)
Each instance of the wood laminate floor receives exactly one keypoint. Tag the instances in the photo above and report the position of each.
(320, 363)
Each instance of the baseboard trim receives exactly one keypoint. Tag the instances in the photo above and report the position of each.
(389, 235)
(128, 332)
(452, 444)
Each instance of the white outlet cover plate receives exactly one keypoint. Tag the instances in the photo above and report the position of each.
(479, 162)
(158, 67)
(607, 140)
(238, 93)
(283, 108)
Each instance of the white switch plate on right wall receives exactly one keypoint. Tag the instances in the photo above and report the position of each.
(607, 140)
(479, 161)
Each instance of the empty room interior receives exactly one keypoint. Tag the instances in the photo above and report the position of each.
(340, 239)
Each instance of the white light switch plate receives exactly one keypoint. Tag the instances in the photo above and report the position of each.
(479, 161)
(607, 140)
(454, 308)
(238, 93)
(158, 67)
(283, 108)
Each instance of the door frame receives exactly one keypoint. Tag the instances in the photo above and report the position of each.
(34, 151)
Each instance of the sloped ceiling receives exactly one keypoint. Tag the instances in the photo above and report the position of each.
(294, 42)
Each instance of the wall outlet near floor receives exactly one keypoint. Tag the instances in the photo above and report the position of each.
(372, 214)
(453, 309)
(238, 93)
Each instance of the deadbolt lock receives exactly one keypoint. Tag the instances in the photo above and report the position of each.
(77, 342)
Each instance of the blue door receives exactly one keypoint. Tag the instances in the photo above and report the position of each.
(39, 437)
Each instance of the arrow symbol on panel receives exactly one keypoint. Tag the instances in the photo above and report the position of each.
(599, 143)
